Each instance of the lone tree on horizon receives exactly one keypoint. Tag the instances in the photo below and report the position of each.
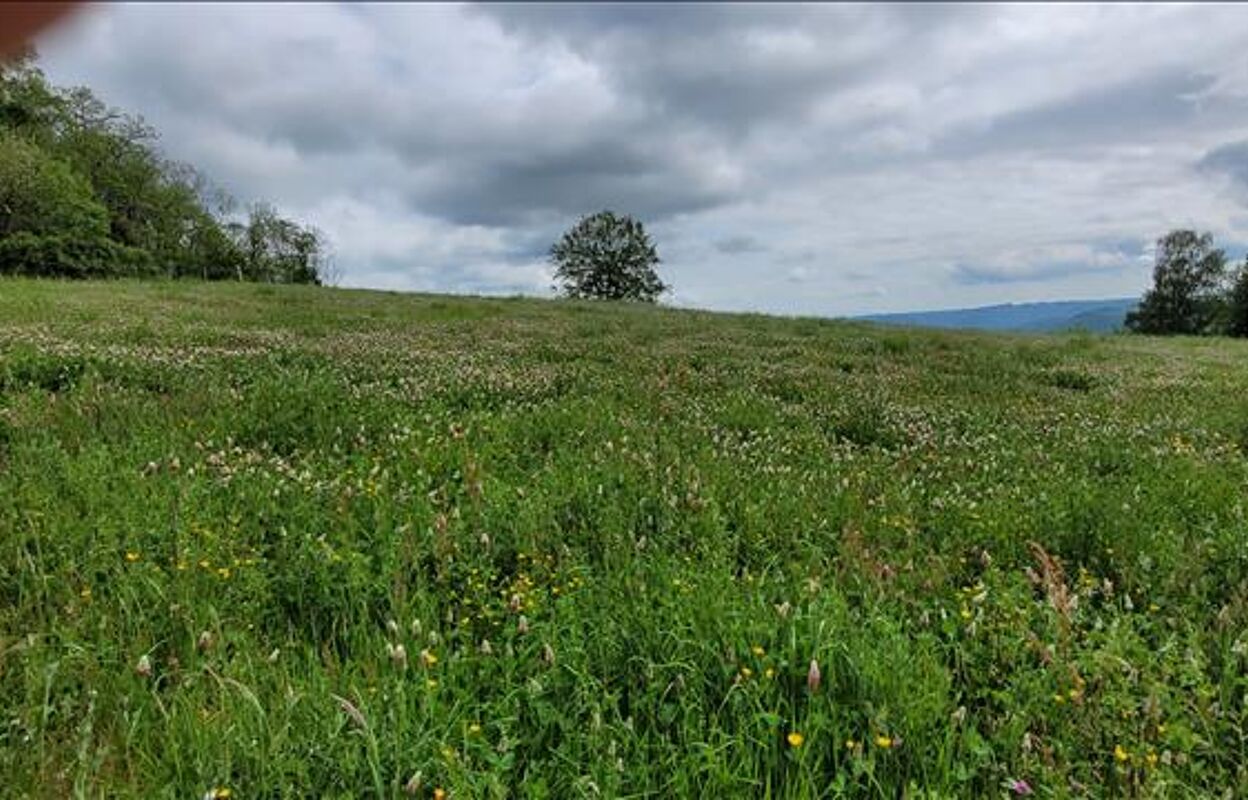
(607, 257)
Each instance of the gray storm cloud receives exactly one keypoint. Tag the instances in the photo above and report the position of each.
(954, 154)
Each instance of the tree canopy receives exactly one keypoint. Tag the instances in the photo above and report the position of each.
(607, 257)
(1187, 295)
(86, 192)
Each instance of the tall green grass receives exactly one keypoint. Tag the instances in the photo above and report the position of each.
(289, 542)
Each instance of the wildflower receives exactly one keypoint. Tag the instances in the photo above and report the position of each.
(474, 729)
(485, 648)
(1151, 759)
(746, 672)
(769, 673)
(439, 794)
(398, 654)
(393, 627)
(413, 783)
(223, 573)
(132, 556)
(85, 594)
(431, 683)
(883, 741)
(813, 677)
(850, 744)
(204, 642)
(218, 793)
(784, 609)
(1120, 754)
(548, 654)
(522, 627)
(427, 658)
(758, 651)
(144, 668)
(795, 739)
(272, 659)
(1018, 786)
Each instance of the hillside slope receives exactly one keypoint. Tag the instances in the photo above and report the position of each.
(290, 541)
(1098, 316)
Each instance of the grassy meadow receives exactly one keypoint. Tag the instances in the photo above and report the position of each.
(262, 542)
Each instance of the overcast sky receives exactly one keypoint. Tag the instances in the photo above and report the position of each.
(819, 159)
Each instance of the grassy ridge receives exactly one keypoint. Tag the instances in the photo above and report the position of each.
(291, 542)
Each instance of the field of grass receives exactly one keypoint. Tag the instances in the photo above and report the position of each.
(266, 542)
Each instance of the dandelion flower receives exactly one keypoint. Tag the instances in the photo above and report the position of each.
(1121, 754)
(795, 739)
(883, 741)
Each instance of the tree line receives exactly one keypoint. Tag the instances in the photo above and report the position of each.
(1195, 290)
(85, 192)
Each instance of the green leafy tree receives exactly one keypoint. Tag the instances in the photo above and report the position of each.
(86, 191)
(607, 257)
(1186, 297)
(50, 222)
(1237, 303)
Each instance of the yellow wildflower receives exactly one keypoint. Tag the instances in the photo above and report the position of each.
(132, 556)
(474, 728)
(795, 739)
(769, 673)
(883, 741)
(439, 794)
(1151, 759)
(758, 650)
(1121, 754)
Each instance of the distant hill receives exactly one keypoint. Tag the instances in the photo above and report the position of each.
(1101, 316)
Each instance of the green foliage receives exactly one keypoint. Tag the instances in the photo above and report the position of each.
(619, 535)
(84, 191)
(607, 257)
(1186, 297)
(1237, 303)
